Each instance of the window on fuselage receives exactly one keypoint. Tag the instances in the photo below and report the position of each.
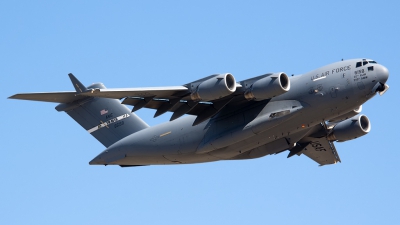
(358, 64)
(365, 63)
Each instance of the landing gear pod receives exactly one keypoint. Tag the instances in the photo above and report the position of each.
(268, 87)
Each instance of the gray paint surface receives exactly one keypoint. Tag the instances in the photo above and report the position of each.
(230, 126)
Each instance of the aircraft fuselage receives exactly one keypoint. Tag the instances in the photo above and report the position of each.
(314, 97)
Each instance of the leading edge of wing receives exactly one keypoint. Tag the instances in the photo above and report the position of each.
(58, 97)
(118, 93)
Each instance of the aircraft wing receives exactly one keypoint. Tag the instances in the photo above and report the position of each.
(317, 147)
(321, 151)
(154, 92)
(174, 99)
(59, 97)
(117, 93)
(177, 99)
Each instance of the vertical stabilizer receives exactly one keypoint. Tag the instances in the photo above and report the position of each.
(106, 119)
(79, 87)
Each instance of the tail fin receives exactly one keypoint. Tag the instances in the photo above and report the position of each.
(106, 119)
(79, 87)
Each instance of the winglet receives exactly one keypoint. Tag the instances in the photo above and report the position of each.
(79, 87)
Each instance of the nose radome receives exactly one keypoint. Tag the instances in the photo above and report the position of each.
(382, 73)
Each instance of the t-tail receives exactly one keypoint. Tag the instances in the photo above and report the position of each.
(106, 119)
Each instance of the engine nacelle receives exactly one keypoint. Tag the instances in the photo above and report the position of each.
(214, 88)
(345, 116)
(349, 129)
(268, 87)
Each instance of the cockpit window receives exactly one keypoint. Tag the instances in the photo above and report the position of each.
(372, 62)
(358, 64)
(365, 63)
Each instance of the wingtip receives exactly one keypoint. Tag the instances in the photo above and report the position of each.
(79, 87)
(13, 96)
(72, 77)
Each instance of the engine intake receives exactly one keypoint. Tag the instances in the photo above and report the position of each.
(268, 87)
(214, 88)
(349, 129)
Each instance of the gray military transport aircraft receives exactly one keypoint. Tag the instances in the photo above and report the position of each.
(227, 120)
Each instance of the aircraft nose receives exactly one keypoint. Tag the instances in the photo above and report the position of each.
(382, 74)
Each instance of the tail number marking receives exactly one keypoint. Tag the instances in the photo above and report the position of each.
(111, 121)
(317, 146)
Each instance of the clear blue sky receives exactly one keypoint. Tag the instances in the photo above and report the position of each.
(44, 173)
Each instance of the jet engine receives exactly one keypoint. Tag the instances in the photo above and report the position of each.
(347, 115)
(214, 88)
(268, 87)
(349, 129)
